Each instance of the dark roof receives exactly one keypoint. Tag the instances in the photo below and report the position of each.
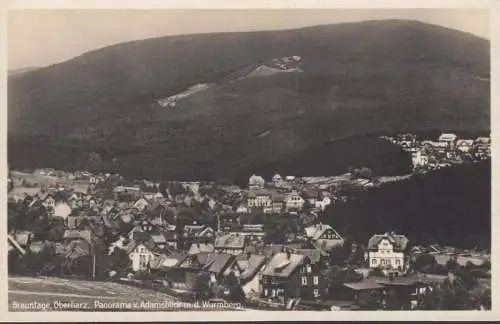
(363, 285)
(254, 263)
(173, 259)
(272, 249)
(141, 236)
(313, 254)
(78, 234)
(283, 264)
(400, 241)
(218, 262)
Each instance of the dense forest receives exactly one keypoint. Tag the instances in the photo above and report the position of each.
(450, 207)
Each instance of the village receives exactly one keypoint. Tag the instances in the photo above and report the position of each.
(262, 245)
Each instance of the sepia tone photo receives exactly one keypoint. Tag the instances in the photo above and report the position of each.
(248, 160)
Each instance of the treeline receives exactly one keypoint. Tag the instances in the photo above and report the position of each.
(450, 207)
(337, 157)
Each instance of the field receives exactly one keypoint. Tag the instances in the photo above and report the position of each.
(36, 180)
(70, 294)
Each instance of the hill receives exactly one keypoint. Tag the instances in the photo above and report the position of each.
(450, 207)
(336, 157)
(355, 78)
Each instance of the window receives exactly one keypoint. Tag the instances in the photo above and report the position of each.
(265, 292)
(398, 261)
(316, 292)
(374, 261)
(273, 293)
(308, 268)
(304, 281)
(316, 280)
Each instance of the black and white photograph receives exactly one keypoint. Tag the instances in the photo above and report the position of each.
(230, 160)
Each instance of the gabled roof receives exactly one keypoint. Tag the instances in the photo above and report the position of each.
(218, 262)
(23, 237)
(315, 231)
(282, 266)
(12, 241)
(313, 254)
(400, 241)
(141, 236)
(86, 235)
(201, 247)
(257, 192)
(171, 260)
(230, 241)
(254, 263)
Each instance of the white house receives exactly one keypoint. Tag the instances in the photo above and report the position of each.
(447, 137)
(259, 198)
(294, 201)
(277, 178)
(464, 145)
(323, 203)
(140, 255)
(242, 209)
(419, 159)
(388, 251)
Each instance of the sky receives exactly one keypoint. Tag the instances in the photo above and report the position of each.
(37, 38)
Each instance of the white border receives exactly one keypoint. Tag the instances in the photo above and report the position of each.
(257, 315)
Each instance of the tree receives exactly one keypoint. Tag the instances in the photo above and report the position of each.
(201, 286)
(424, 261)
(338, 255)
(120, 261)
(236, 293)
(176, 188)
(376, 272)
(369, 299)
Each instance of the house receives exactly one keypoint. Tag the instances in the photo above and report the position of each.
(317, 257)
(75, 221)
(253, 232)
(482, 147)
(278, 203)
(277, 179)
(291, 276)
(389, 252)
(199, 231)
(232, 244)
(142, 254)
(294, 201)
(419, 159)
(259, 199)
(165, 263)
(196, 248)
(324, 237)
(324, 202)
(251, 265)
(164, 240)
(464, 145)
(449, 138)
(141, 204)
(242, 209)
(220, 265)
(48, 201)
(256, 182)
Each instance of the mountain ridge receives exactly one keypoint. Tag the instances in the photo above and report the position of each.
(357, 78)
